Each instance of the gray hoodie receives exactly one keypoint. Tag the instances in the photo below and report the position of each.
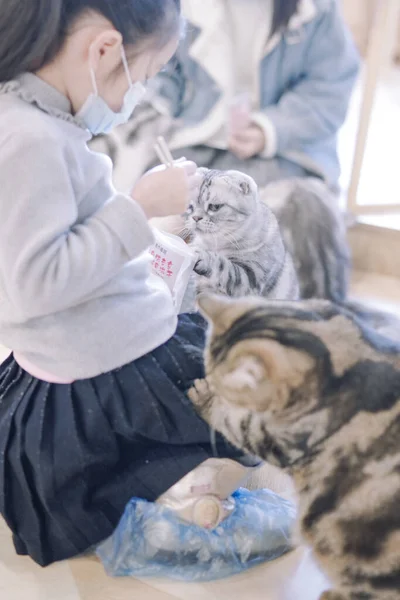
(77, 297)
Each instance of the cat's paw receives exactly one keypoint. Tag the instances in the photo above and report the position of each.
(200, 393)
(203, 263)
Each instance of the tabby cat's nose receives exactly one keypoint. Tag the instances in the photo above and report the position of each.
(197, 218)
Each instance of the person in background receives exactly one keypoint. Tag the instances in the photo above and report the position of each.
(262, 86)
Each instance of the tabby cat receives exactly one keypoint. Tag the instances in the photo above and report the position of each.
(310, 387)
(237, 239)
(315, 234)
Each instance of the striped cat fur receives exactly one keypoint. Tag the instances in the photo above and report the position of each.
(233, 229)
(237, 240)
(314, 232)
(313, 388)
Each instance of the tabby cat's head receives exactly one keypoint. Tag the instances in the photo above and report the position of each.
(226, 200)
(281, 357)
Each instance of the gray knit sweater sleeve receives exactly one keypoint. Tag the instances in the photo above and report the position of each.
(50, 257)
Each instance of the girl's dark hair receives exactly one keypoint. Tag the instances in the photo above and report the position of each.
(283, 12)
(33, 31)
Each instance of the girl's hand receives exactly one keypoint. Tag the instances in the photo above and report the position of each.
(247, 142)
(165, 192)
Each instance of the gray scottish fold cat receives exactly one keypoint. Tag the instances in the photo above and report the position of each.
(234, 231)
(237, 240)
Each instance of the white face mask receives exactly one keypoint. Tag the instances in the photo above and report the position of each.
(98, 116)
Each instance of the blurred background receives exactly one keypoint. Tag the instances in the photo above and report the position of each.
(369, 148)
(194, 90)
(374, 118)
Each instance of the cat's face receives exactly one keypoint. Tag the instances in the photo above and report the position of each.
(275, 356)
(226, 200)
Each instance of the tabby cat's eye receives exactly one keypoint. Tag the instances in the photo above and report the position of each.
(189, 209)
(214, 207)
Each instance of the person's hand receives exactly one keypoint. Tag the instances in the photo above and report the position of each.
(167, 191)
(248, 142)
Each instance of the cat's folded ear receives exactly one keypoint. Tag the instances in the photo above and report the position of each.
(257, 367)
(246, 374)
(243, 182)
(245, 187)
(258, 377)
(220, 311)
(213, 306)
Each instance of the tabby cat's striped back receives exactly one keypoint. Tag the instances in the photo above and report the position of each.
(315, 389)
(314, 232)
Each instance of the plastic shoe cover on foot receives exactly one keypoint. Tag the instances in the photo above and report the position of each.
(153, 541)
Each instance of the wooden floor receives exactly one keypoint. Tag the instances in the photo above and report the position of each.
(293, 577)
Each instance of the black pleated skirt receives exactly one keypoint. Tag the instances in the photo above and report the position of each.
(72, 456)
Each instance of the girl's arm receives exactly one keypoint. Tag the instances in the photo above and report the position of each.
(48, 262)
(315, 108)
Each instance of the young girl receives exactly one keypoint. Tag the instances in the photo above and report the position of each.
(93, 406)
(262, 86)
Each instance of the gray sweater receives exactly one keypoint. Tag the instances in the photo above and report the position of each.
(76, 294)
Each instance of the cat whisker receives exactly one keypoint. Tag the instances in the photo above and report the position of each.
(235, 241)
(231, 238)
(215, 240)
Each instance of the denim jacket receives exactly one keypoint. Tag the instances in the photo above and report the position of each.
(306, 77)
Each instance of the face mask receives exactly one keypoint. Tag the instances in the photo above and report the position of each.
(98, 116)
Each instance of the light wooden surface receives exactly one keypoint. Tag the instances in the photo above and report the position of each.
(380, 50)
(293, 577)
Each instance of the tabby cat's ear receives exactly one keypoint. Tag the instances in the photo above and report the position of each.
(213, 307)
(257, 362)
(222, 311)
(247, 373)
